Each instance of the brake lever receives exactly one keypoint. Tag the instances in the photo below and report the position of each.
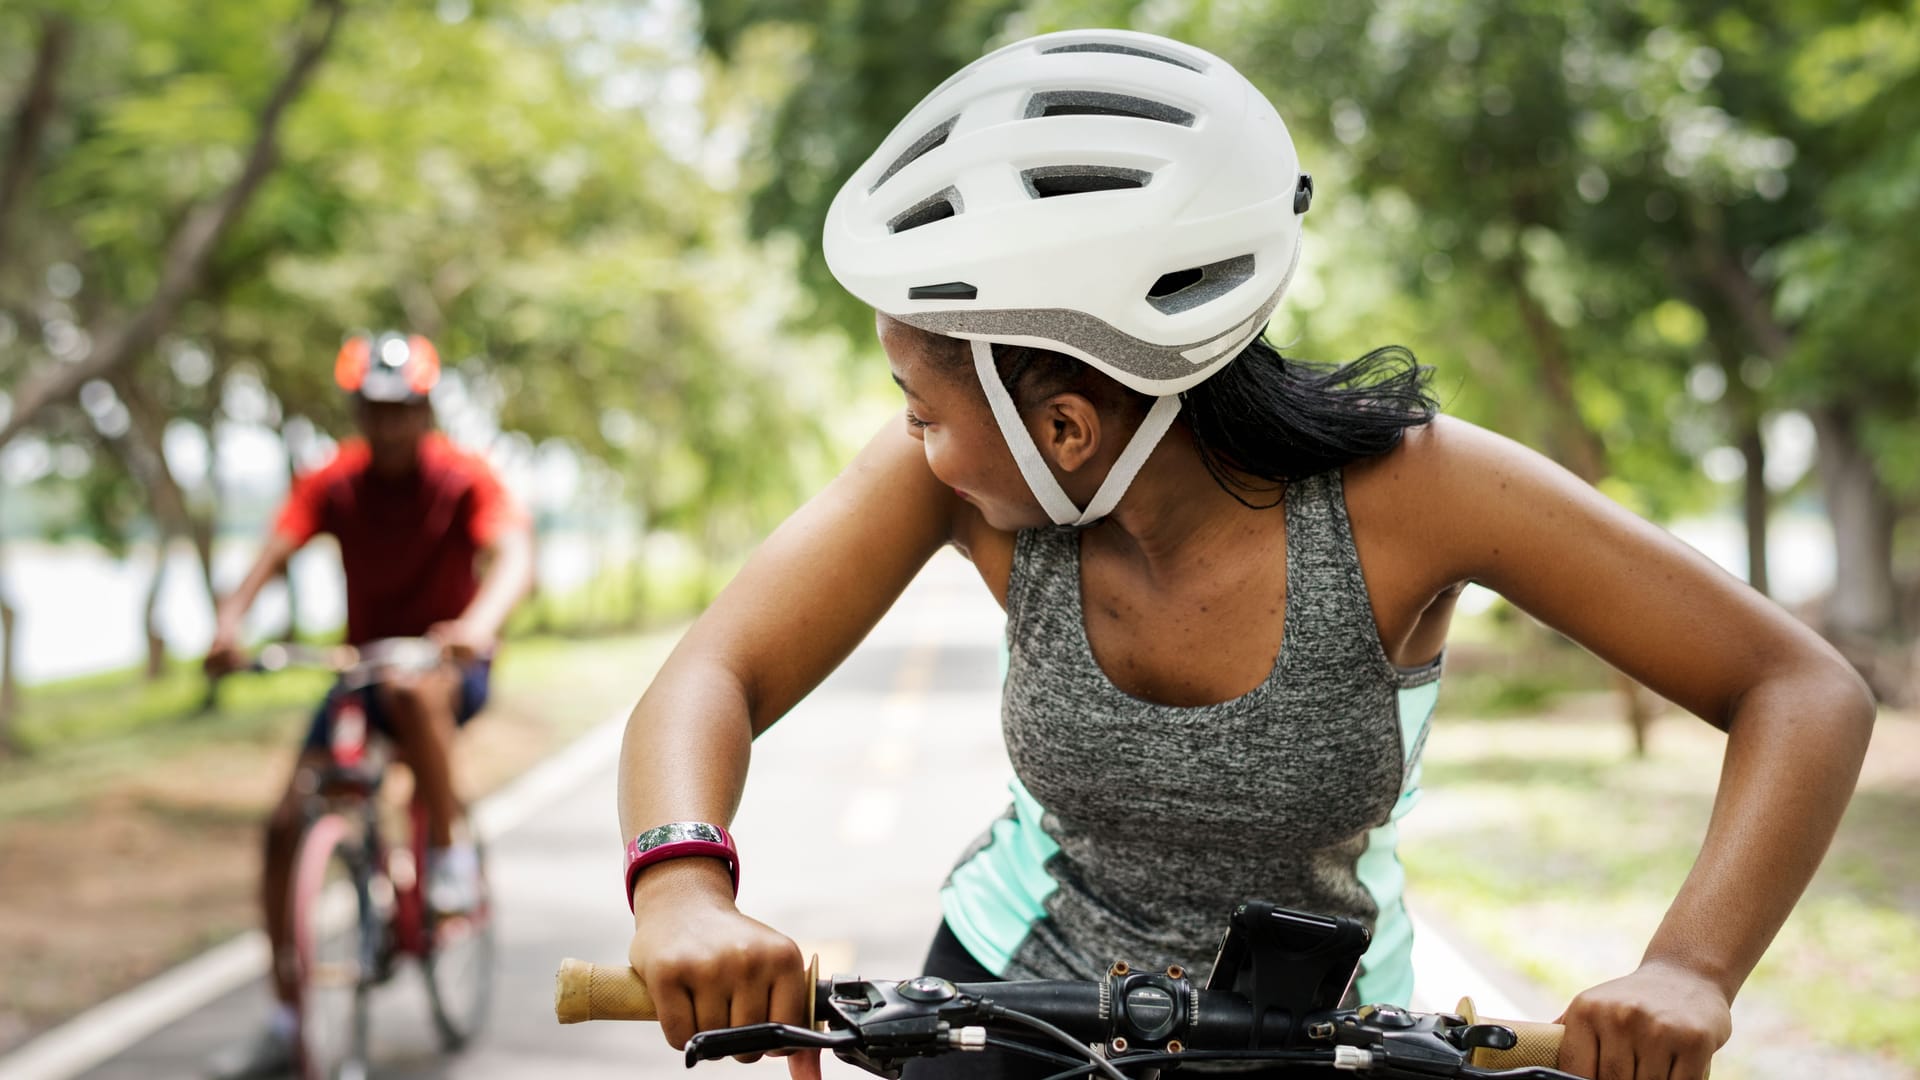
(760, 1038)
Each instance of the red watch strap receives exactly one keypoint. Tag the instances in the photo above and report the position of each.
(681, 839)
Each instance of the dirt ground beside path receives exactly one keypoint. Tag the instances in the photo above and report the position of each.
(153, 854)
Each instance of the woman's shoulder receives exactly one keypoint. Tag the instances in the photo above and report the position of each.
(1435, 464)
(1441, 492)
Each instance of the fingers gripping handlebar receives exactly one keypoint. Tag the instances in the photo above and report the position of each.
(583, 991)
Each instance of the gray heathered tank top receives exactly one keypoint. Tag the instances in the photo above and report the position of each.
(1135, 827)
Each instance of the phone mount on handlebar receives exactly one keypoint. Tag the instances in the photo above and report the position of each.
(1287, 962)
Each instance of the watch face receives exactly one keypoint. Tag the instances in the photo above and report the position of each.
(674, 832)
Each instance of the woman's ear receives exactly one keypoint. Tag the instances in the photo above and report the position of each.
(1066, 428)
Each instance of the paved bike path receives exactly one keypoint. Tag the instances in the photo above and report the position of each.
(858, 802)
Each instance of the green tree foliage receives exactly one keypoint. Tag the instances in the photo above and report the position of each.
(1572, 210)
(543, 187)
(857, 66)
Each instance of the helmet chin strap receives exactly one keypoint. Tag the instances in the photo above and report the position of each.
(1053, 499)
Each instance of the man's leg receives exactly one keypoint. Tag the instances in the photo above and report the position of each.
(422, 710)
(283, 839)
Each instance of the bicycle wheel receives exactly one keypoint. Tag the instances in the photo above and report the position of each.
(334, 938)
(459, 966)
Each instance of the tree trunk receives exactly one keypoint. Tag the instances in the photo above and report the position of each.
(1739, 316)
(147, 458)
(1575, 444)
(1756, 502)
(9, 652)
(30, 117)
(156, 640)
(286, 574)
(1741, 406)
(1863, 605)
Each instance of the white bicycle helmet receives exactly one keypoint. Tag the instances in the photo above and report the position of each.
(1116, 196)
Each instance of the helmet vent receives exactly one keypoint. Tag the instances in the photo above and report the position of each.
(1101, 103)
(1184, 290)
(920, 146)
(1128, 50)
(946, 290)
(1051, 180)
(937, 207)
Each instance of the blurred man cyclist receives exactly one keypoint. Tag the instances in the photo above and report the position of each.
(415, 518)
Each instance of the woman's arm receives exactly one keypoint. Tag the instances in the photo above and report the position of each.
(801, 604)
(1796, 715)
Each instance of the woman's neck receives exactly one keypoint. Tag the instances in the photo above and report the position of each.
(1175, 510)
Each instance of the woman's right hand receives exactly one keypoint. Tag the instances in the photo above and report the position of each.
(707, 966)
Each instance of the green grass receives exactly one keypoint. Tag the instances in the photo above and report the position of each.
(1546, 843)
(125, 703)
(79, 736)
(618, 599)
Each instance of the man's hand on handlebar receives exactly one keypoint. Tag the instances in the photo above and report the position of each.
(224, 654)
(706, 965)
(462, 641)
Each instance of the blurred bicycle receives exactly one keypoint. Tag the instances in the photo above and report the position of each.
(356, 902)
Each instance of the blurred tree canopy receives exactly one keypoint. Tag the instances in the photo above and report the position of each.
(1631, 233)
(1636, 234)
(199, 202)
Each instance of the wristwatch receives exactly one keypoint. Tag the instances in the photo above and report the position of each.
(678, 839)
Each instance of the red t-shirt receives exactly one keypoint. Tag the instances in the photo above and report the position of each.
(407, 544)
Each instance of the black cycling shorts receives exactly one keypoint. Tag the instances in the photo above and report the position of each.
(474, 684)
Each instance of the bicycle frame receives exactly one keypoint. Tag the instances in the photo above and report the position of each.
(348, 784)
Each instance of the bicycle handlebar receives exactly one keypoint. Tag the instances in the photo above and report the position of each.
(1219, 1020)
(583, 991)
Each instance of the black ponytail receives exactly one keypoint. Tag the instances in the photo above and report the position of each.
(1267, 418)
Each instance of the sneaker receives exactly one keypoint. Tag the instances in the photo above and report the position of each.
(453, 880)
(269, 1053)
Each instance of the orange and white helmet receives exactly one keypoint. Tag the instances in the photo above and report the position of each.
(388, 367)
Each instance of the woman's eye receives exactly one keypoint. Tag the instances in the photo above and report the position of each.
(915, 422)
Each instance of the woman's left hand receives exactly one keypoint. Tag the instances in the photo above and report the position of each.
(1663, 1022)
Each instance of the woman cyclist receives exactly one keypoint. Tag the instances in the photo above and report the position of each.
(1228, 578)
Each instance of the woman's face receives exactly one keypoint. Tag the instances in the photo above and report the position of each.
(948, 412)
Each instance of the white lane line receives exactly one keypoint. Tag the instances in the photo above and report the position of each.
(106, 1029)
(1444, 973)
(118, 1023)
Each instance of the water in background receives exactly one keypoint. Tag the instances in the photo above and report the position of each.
(80, 609)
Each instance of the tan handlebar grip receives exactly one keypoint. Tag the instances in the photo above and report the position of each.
(1539, 1044)
(583, 991)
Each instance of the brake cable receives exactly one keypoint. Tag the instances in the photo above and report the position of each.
(1098, 1064)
